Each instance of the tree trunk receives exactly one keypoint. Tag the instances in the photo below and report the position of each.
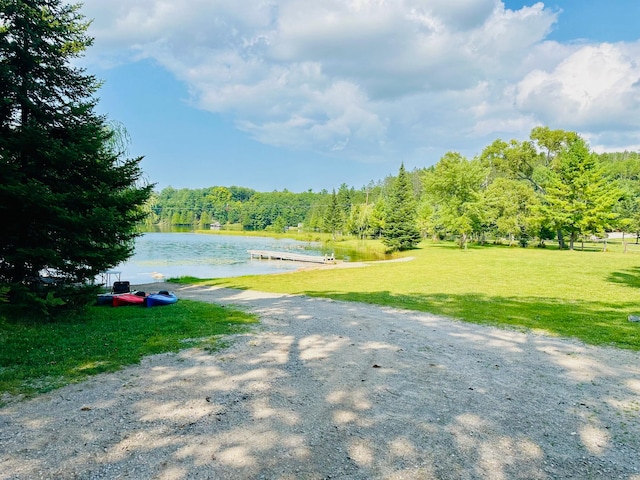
(463, 241)
(560, 240)
(572, 240)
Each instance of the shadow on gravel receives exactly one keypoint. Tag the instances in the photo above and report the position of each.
(336, 390)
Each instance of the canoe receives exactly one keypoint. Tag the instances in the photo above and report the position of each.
(128, 299)
(160, 298)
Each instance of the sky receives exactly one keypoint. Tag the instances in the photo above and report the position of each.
(310, 94)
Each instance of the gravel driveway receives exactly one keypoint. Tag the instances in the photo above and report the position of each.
(326, 389)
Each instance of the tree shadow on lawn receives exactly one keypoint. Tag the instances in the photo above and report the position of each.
(629, 278)
(594, 323)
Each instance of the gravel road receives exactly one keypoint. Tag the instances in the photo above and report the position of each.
(325, 389)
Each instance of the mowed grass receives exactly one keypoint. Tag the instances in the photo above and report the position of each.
(587, 295)
(36, 357)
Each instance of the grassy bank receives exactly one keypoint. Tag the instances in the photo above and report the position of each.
(583, 294)
(37, 357)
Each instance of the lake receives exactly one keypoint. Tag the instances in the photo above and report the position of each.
(159, 256)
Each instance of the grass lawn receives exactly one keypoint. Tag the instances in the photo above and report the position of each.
(583, 294)
(37, 357)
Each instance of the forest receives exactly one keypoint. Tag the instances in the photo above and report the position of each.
(551, 186)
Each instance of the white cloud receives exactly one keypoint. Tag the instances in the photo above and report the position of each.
(596, 87)
(369, 78)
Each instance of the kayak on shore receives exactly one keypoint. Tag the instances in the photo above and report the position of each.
(163, 297)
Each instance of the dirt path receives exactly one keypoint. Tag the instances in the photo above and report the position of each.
(325, 389)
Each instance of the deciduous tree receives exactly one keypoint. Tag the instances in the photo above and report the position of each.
(454, 189)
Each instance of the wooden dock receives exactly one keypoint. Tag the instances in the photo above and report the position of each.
(292, 257)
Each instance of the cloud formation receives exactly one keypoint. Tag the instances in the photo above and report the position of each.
(373, 78)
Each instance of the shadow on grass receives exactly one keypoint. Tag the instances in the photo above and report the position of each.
(595, 323)
(629, 278)
(39, 357)
(592, 322)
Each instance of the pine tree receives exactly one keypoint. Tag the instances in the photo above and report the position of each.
(401, 230)
(69, 201)
(333, 216)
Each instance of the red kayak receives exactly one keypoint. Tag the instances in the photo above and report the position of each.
(127, 299)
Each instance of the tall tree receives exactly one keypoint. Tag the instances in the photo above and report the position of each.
(70, 197)
(401, 230)
(515, 160)
(580, 199)
(552, 142)
(454, 189)
(359, 222)
(512, 208)
(333, 216)
(624, 169)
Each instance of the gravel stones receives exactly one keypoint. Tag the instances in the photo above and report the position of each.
(325, 389)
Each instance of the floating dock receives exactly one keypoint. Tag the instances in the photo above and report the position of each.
(292, 257)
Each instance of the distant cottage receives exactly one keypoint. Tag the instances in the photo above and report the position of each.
(215, 226)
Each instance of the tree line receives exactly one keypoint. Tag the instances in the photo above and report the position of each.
(550, 186)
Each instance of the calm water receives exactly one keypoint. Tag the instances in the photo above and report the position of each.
(164, 255)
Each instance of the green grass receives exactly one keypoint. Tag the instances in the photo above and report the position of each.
(37, 357)
(587, 294)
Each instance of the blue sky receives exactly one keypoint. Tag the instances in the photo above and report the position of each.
(310, 94)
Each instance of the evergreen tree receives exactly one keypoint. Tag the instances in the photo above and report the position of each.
(71, 201)
(401, 230)
(579, 198)
(333, 216)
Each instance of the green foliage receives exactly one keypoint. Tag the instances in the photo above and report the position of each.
(333, 217)
(511, 209)
(400, 221)
(4, 293)
(454, 188)
(360, 221)
(624, 169)
(579, 198)
(72, 201)
(551, 142)
(37, 357)
(255, 211)
(514, 160)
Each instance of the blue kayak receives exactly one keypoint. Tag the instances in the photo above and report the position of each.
(161, 298)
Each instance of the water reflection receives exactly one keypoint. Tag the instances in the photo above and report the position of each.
(159, 256)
